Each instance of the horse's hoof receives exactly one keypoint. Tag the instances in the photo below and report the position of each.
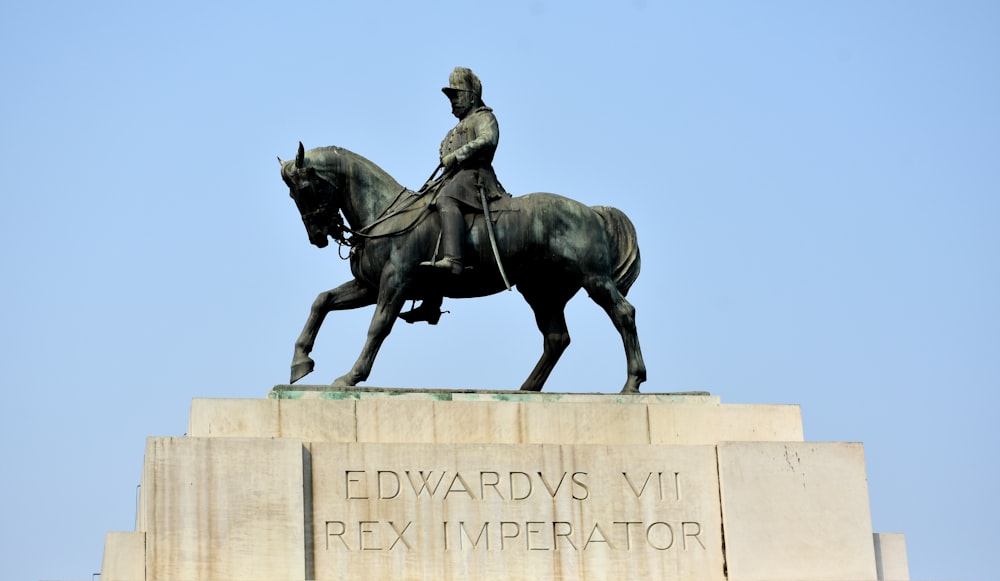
(631, 387)
(530, 385)
(301, 369)
(344, 381)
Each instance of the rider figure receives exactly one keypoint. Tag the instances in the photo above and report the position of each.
(467, 156)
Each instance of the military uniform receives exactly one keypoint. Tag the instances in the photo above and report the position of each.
(473, 142)
(467, 155)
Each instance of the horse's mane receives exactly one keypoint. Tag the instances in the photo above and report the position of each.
(331, 163)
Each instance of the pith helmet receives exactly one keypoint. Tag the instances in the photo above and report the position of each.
(463, 79)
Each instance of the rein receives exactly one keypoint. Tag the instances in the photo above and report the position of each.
(365, 233)
(429, 187)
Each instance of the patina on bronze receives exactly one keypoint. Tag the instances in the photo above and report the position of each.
(550, 247)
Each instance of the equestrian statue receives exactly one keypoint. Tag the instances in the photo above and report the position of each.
(461, 235)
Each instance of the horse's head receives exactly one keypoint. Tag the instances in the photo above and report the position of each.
(315, 198)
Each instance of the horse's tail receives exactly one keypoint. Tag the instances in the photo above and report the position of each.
(624, 246)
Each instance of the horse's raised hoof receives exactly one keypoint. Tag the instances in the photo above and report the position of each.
(302, 368)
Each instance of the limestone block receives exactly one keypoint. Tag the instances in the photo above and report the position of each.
(586, 423)
(311, 420)
(124, 557)
(241, 418)
(796, 511)
(503, 422)
(709, 423)
(223, 509)
(424, 419)
(890, 557)
(318, 420)
(511, 512)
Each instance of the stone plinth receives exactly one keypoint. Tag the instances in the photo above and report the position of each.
(492, 418)
(787, 505)
(404, 484)
(223, 508)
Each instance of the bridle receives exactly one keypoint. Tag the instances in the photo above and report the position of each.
(339, 230)
(331, 213)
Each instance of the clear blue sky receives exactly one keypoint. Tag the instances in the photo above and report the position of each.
(815, 187)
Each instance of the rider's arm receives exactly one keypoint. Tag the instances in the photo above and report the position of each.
(487, 133)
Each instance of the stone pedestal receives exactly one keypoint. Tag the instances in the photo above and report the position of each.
(314, 483)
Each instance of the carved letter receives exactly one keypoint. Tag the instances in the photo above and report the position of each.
(694, 535)
(582, 485)
(556, 534)
(649, 538)
(603, 539)
(362, 531)
(527, 535)
(425, 482)
(347, 488)
(628, 537)
(381, 492)
(637, 491)
(399, 535)
(339, 533)
(464, 488)
(513, 493)
(503, 535)
(483, 484)
(549, 488)
(475, 543)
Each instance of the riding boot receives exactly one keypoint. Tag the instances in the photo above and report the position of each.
(429, 311)
(452, 229)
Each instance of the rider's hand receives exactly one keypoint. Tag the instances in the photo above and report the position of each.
(450, 161)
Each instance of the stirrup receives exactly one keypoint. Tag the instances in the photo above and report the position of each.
(448, 263)
(422, 313)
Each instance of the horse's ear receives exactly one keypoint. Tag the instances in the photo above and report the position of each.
(280, 162)
(300, 157)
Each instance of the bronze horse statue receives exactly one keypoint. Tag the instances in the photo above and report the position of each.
(550, 247)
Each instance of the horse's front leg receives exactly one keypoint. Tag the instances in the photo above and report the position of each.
(350, 295)
(387, 308)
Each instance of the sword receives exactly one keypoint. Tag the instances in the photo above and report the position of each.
(493, 238)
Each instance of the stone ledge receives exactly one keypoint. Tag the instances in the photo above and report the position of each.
(390, 415)
(285, 391)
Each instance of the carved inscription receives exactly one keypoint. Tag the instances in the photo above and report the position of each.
(483, 485)
(562, 535)
(673, 487)
(516, 489)
(525, 511)
(368, 535)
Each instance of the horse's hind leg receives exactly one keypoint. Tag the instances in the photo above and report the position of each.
(350, 295)
(604, 292)
(551, 320)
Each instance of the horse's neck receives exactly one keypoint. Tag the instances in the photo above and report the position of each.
(369, 191)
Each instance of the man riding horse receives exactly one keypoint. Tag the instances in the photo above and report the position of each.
(467, 157)
(553, 246)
